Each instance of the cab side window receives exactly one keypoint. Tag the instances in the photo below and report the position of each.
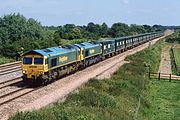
(53, 62)
(87, 53)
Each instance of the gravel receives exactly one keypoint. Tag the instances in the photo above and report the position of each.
(10, 76)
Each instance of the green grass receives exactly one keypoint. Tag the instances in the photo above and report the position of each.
(173, 64)
(173, 39)
(110, 99)
(175, 60)
(4, 60)
(177, 55)
(165, 101)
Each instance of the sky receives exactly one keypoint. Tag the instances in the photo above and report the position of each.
(81, 12)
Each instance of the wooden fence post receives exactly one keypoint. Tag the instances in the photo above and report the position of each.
(159, 76)
(170, 78)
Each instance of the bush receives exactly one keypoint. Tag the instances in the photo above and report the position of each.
(4, 60)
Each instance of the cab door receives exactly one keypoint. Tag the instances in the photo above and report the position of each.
(45, 64)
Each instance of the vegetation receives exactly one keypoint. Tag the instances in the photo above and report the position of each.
(164, 97)
(19, 34)
(115, 98)
(163, 100)
(173, 64)
(4, 60)
(174, 40)
(177, 56)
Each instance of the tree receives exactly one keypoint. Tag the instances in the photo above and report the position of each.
(104, 30)
(18, 32)
(69, 32)
(119, 30)
(136, 29)
(15, 28)
(93, 28)
(158, 27)
(148, 28)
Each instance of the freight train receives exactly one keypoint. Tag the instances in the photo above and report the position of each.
(46, 65)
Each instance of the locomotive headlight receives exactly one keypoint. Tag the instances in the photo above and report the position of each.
(40, 72)
(24, 71)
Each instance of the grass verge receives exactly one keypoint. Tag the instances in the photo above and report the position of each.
(177, 55)
(173, 64)
(110, 99)
(165, 101)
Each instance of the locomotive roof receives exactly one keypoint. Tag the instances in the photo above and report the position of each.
(134, 36)
(53, 50)
(87, 45)
(107, 40)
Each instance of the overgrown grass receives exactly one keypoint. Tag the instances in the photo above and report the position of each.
(177, 59)
(174, 52)
(4, 60)
(165, 101)
(177, 55)
(173, 64)
(164, 98)
(110, 99)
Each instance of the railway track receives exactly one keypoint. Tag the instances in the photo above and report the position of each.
(11, 82)
(8, 71)
(9, 65)
(10, 68)
(14, 89)
(24, 90)
(9, 97)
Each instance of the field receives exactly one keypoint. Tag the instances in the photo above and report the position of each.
(165, 101)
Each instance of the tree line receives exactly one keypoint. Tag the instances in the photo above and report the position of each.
(175, 38)
(19, 34)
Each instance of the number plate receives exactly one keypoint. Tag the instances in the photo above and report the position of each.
(32, 66)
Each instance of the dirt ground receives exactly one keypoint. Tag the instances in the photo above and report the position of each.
(165, 65)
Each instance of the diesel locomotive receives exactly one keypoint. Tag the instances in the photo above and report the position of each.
(46, 65)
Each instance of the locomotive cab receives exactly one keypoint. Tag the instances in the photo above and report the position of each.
(34, 66)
